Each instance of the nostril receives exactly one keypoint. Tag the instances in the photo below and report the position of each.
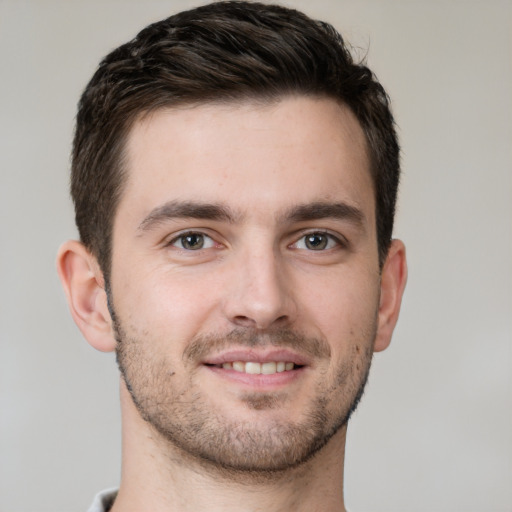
(281, 320)
(244, 321)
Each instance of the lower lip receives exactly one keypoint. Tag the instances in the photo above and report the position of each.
(258, 381)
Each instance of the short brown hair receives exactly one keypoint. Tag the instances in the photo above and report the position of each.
(222, 51)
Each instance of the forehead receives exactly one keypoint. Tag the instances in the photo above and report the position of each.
(248, 155)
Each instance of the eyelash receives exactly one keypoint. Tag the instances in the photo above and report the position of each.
(338, 241)
(181, 237)
(206, 239)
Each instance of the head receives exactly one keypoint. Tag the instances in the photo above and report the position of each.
(234, 177)
(221, 52)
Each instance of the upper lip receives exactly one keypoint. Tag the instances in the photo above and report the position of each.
(258, 356)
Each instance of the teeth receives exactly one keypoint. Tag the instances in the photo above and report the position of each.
(239, 366)
(268, 368)
(254, 368)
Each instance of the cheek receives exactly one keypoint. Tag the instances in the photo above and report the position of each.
(344, 307)
(163, 304)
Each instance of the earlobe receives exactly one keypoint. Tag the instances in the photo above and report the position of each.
(393, 280)
(84, 286)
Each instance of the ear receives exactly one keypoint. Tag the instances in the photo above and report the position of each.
(393, 279)
(84, 286)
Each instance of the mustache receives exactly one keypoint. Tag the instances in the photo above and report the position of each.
(203, 346)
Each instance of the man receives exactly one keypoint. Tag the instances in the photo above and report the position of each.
(234, 176)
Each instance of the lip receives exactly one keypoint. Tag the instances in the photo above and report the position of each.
(260, 382)
(258, 356)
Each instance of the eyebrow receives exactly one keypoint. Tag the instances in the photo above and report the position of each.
(323, 210)
(186, 210)
(210, 211)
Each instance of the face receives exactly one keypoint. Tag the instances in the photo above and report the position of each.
(245, 278)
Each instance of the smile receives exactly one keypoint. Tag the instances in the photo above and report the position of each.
(255, 368)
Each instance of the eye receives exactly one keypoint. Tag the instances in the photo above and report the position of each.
(317, 241)
(192, 241)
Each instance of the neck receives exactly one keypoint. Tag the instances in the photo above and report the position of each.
(158, 476)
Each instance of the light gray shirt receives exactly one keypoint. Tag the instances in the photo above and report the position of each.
(103, 501)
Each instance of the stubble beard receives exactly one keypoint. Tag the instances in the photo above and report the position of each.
(185, 421)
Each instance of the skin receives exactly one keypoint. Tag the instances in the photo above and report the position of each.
(258, 290)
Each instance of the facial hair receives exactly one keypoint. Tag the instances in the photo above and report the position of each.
(172, 402)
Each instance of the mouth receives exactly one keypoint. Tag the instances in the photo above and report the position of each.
(257, 368)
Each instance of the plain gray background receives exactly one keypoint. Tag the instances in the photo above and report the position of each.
(434, 431)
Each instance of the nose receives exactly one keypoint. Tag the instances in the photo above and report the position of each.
(260, 294)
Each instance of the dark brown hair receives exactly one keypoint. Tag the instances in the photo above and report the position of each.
(223, 51)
